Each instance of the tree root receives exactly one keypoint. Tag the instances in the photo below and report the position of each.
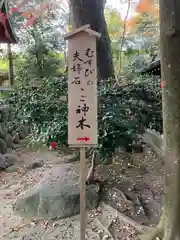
(91, 172)
(106, 229)
(155, 234)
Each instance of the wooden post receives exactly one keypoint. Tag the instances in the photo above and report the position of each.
(82, 102)
(82, 194)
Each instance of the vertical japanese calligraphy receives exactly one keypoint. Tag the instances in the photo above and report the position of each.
(82, 90)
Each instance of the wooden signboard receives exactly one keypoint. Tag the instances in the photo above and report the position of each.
(82, 101)
(82, 88)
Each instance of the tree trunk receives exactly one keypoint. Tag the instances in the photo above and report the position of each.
(92, 12)
(170, 58)
(170, 55)
(10, 59)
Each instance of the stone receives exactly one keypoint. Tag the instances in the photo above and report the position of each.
(11, 115)
(56, 196)
(4, 111)
(71, 158)
(126, 185)
(151, 207)
(116, 199)
(12, 169)
(2, 131)
(21, 134)
(9, 140)
(7, 160)
(3, 146)
(36, 164)
(26, 130)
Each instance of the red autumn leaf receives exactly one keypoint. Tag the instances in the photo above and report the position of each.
(14, 10)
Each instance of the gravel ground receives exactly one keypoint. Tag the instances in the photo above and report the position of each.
(15, 227)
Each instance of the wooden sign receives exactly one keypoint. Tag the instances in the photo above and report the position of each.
(82, 101)
(82, 87)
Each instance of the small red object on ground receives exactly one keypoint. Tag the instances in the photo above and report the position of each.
(53, 145)
(162, 84)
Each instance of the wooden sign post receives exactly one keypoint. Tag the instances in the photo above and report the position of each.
(82, 101)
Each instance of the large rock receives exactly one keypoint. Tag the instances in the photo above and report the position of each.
(3, 146)
(126, 202)
(36, 164)
(4, 112)
(9, 140)
(56, 196)
(7, 160)
(2, 131)
(151, 207)
(116, 199)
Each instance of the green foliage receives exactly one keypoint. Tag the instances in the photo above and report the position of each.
(124, 112)
(44, 106)
(127, 111)
(4, 65)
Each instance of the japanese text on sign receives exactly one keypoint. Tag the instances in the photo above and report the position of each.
(82, 92)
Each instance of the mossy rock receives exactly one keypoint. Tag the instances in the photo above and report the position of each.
(4, 127)
(2, 131)
(9, 140)
(4, 111)
(10, 129)
(21, 134)
(3, 146)
(8, 160)
(26, 130)
(11, 116)
(60, 200)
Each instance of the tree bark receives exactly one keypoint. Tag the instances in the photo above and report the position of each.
(170, 55)
(92, 12)
(11, 70)
(170, 58)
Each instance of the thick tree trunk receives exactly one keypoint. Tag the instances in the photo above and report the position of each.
(92, 12)
(170, 57)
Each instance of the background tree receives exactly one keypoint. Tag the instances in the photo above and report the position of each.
(92, 12)
(168, 228)
(40, 36)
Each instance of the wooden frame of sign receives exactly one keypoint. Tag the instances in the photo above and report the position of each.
(82, 87)
(82, 101)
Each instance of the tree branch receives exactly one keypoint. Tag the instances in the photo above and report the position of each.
(123, 35)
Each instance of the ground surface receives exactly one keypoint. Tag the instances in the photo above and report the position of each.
(103, 223)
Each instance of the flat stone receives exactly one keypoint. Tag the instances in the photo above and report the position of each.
(36, 164)
(12, 169)
(7, 160)
(56, 196)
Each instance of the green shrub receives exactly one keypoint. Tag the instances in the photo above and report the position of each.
(124, 112)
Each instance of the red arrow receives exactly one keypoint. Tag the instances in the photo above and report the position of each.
(83, 139)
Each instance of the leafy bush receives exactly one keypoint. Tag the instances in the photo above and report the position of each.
(124, 112)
